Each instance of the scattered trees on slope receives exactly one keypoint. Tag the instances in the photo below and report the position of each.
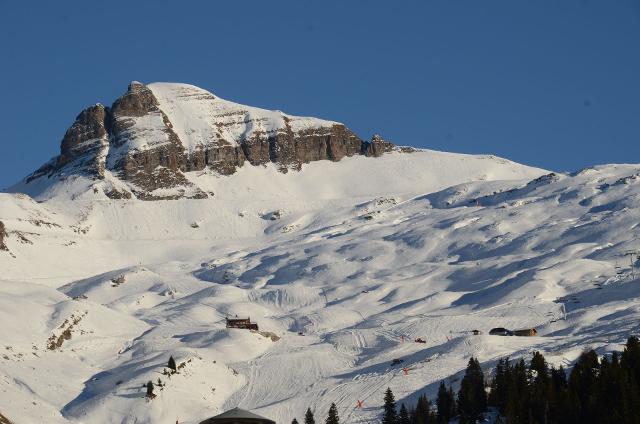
(597, 390)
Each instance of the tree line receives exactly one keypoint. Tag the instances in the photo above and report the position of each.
(602, 390)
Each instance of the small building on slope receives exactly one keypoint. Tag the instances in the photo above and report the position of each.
(527, 332)
(237, 416)
(244, 323)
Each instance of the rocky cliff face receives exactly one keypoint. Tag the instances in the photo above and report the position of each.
(152, 135)
(86, 139)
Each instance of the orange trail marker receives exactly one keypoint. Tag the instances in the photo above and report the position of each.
(405, 370)
(360, 404)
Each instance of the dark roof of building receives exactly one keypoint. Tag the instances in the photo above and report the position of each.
(237, 415)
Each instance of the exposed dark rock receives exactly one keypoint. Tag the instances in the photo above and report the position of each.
(136, 102)
(83, 146)
(290, 150)
(3, 234)
(114, 193)
(224, 158)
(45, 170)
(86, 139)
(156, 166)
(4, 420)
(377, 146)
(405, 149)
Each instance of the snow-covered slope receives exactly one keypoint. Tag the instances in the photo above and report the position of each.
(361, 271)
(342, 264)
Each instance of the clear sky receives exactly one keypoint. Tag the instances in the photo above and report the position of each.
(549, 83)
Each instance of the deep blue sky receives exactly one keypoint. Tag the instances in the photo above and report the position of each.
(549, 83)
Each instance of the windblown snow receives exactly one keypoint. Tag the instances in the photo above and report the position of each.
(343, 265)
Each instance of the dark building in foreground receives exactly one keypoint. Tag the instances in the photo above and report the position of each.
(238, 416)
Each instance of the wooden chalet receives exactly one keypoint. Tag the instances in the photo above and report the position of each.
(527, 332)
(243, 323)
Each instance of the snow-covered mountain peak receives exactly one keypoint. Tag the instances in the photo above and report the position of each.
(171, 140)
(146, 143)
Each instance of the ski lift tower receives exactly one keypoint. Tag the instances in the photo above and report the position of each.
(631, 254)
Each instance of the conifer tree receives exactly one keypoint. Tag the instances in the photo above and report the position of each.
(582, 384)
(149, 387)
(558, 396)
(308, 417)
(172, 364)
(403, 417)
(389, 415)
(295, 421)
(422, 411)
(500, 385)
(517, 406)
(472, 398)
(539, 389)
(332, 416)
(445, 403)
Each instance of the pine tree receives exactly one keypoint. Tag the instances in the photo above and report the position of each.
(517, 404)
(582, 384)
(332, 416)
(423, 410)
(472, 398)
(295, 421)
(538, 402)
(445, 403)
(403, 417)
(308, 417)
(389, 415)
(500, 385)
(149, 387)
(558, 396)
(172, 364)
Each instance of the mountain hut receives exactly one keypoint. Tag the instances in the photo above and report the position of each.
(237, 416)
(243, 323)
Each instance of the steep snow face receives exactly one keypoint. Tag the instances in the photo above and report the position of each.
(360, 272)
(200, 118)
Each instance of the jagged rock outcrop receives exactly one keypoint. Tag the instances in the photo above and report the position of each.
(83, 146)
(377, 146)
(3, 234)
(85, 139)
(154, 134)
(144, 148)
(289, 150)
